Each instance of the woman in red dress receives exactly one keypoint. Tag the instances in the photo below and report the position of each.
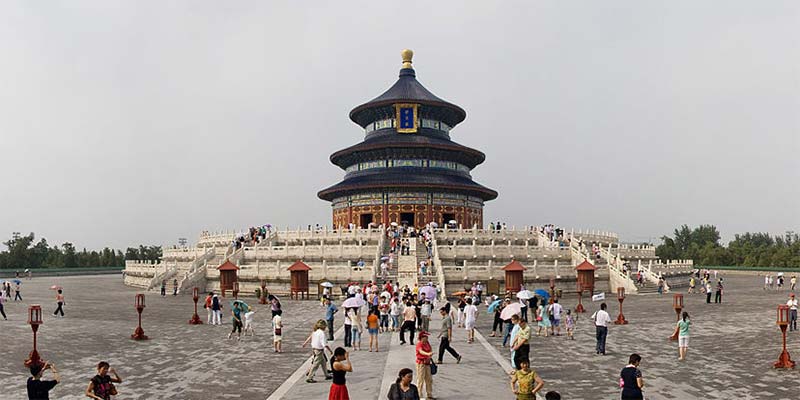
(340, 365)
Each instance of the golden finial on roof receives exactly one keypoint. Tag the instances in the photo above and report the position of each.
(407, 55)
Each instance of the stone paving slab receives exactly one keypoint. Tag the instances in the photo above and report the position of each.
(373, 373)
(180, 361)
(731, 350)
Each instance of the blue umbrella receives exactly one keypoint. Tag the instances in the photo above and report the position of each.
(542, 293)
(493, 306)
(17, 281)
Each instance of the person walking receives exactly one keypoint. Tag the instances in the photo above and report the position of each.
(631, 379)
(542, 320)
(570, 325)
(514, 331)
(207, 306)
(175, 287)
(236, 319)
(409, 322)
(425, 314)
(793, 282)
(383, 310)
(357, 327)
(601, 320)
(101, 386)
(163, 288)
(60, 301)
(445, 336)
(471, 316)
(682, 330)
(330, 311)
(394, 312)
(2, 310)
(718, 295)
(372, 328)
(277, 333)
(708, 292)
(16, 293)
(340, 365)
(402, 388)
(424, 353)
(216, 310)
(319, 344)
(521, 345)
(792, 303)
(39, 389)
(525, 382)
(555, 310)
(275, 304)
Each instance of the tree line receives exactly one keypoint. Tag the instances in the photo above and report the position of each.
(25, 252)
(702, 244)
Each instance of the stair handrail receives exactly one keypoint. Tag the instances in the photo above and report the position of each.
(437, 262)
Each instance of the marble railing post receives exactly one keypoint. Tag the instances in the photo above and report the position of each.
(555, 266)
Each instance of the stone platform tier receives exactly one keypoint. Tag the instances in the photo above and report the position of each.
(460, 257)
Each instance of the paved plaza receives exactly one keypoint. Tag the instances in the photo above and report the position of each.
(732, 348)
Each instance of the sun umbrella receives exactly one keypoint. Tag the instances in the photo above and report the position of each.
(393, 224)
(453, 222)
(525, 294)
(511, 309)
(434, 224)
(429, 291)
(542, 293)
(17, 281)
(384, 258)
(326, 284)
(27, 270)
(55, 287)
(354, 302)
(494, 305)
(386, 294)
(242, 304)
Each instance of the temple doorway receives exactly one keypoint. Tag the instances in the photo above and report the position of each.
(366, 219)
(407, 218)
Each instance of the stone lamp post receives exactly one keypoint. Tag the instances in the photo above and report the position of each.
(195, 318)
(138, 334)
(784, 361)
(35, 319)
(621, 297)
(677, 304)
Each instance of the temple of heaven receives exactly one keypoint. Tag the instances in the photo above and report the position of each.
(407, 170)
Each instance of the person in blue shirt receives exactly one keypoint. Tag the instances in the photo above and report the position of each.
(330, 310)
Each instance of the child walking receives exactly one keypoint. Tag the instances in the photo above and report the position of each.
(570, 324)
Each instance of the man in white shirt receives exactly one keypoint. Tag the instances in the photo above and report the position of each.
(319, 343)
(555, 311)
(601, 320)
(471, 313)
(792, 303)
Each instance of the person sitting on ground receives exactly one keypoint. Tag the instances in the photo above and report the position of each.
(39, 389)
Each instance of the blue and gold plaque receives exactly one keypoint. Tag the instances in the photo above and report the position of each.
(406, 118)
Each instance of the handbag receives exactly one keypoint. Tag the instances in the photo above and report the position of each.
(434, 368)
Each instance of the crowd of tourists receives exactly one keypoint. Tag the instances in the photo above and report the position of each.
(252, 236)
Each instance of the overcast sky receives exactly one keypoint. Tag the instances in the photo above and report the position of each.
(145, 121)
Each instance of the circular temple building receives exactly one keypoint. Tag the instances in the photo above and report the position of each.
(407, 170)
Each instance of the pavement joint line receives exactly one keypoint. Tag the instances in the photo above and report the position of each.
(388, 371)
(299, 373)
(504, 363)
